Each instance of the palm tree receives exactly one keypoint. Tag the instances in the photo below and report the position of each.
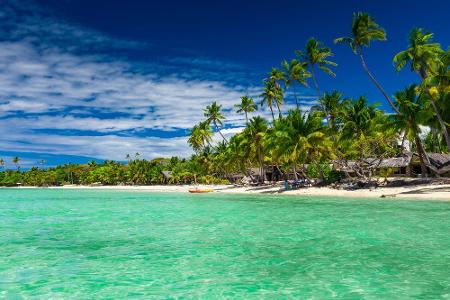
(364, 31)
(317, 55)
(16, 161)
(255, 134)
(412, 109)
(246, 106)
(358, 119)
(422, 55)
(295, 72)
(200, 135)
(424, 58)
(299, 138)
(194, 140)
(277, 76)
(214, 115)
(271, 95)
(330, 104)
(2, 163)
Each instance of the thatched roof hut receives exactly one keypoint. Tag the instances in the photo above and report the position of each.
(439, 162)
(395, 162)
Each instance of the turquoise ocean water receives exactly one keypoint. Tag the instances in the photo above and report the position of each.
(84, 244)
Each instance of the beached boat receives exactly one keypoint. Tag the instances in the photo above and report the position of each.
(201, 190)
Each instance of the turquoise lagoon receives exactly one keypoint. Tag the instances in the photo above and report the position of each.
(84, 244)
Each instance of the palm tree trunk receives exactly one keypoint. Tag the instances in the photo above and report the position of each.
(261, 166)
(279, 111)
(295, 96)
(315, 82)
(246, 118)
(402, 150)
(421, 153)
(271, 110)
(294, 169)
(423, 75)
(220, 132)
(441, 122)
(374, 81)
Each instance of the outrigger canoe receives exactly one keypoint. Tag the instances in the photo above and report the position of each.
(199, 190)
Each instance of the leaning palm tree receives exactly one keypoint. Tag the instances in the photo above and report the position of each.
(317, 55)
(295, 72)
(422, 55)
(412, 112)
(364, 31)
(271, 95)
(246, 106)
(424, 58)
(214, 115)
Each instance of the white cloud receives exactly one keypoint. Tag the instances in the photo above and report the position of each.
(52, 77)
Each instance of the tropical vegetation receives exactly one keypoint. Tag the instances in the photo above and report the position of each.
(316, 141)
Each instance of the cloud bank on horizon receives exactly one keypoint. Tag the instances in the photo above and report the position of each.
(65, 89)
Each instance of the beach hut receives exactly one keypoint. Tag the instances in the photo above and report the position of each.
(398, 166)
(439, 163)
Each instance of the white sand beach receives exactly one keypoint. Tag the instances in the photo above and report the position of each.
(439, 192)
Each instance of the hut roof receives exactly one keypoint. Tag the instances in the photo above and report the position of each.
(439, 159)
(237, 175)
(395, 162)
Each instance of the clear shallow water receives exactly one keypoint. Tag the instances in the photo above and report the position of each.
(108, 244)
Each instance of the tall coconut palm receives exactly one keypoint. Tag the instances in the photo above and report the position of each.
(412, 110)
(364, 31)
(214, 115)
(317, 55)
(277, 77)
(246, 106)
(295, 73)
(424, 58)
(271, 95)
(200, 134)
(255, 134)
(16, 161)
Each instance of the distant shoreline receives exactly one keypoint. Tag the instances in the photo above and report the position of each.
(433, 192)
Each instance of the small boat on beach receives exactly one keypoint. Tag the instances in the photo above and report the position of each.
(200, 190)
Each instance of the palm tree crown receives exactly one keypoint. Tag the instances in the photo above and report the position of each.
(317, 55)
(246, 106)
(295, 72)
(422, 55)
(214, 115)
(364, 31)
(271, 95)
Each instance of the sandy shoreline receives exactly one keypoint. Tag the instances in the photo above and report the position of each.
(423, 192)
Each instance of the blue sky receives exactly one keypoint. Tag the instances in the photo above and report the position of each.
(100, 79)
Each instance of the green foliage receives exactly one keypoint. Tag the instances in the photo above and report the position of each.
(325, 172)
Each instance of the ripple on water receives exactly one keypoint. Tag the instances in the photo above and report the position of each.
(61, 244)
